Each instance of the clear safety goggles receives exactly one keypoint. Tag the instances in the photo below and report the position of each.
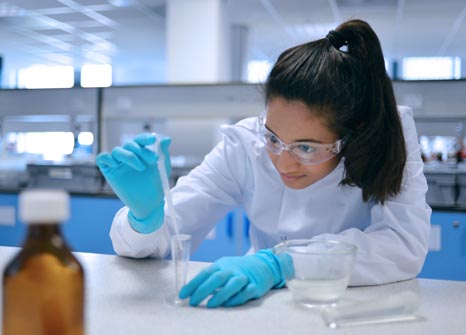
(304, 152)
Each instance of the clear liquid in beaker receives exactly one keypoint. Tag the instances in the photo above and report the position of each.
(317, 292)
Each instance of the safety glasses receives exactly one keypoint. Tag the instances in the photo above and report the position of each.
(308, 153)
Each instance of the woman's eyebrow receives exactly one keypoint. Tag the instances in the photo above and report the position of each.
(297, 140)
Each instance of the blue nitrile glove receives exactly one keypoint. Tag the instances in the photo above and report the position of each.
(233, 281)
(131, 171)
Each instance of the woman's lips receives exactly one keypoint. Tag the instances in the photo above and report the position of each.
(288, 177)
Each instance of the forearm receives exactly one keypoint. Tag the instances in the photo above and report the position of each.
(385, 255)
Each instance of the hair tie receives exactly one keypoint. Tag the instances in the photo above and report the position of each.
(336, 39)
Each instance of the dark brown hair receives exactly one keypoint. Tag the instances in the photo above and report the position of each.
(352, 93)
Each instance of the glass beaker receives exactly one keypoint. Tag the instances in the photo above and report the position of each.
(322, 270)
(180, 251)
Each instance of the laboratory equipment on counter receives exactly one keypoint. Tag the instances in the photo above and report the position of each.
(13, 173)
(399, 307)
(73, 176)
(322, 270)
(43, 285)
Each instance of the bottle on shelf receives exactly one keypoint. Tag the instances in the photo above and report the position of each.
(43, 285)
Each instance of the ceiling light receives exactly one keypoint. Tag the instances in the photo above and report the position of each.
(7, 9)
(122, 3)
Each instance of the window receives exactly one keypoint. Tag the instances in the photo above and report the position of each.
(43, 76)
(49, 145)
(85, 138)
(415, 68)
(96, 75)
(258, 71)
(83, 147)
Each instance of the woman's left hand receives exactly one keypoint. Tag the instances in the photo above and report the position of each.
(232, 281)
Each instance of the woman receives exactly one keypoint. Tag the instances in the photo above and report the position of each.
(330, 158)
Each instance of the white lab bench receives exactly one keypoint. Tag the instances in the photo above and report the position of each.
(127, 296)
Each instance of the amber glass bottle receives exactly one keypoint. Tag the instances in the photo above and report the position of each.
(43, 285)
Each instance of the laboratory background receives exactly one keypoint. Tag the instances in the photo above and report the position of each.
(78, 77)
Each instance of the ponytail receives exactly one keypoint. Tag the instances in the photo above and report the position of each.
(352, 93)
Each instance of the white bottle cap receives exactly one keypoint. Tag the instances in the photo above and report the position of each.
(44, 206)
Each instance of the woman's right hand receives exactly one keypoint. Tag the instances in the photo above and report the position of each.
(132, 173)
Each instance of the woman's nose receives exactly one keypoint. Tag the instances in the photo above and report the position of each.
(286, 162)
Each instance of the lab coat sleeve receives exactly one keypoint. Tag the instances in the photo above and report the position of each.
(201, 199)
(128, 242)
(394, 246)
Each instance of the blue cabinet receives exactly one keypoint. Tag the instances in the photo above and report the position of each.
(89, 226)
(229, 238)
(87, 230)
(91, 217)
(12, 234)
(447, 257)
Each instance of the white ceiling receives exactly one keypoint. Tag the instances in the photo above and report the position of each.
(77, 31)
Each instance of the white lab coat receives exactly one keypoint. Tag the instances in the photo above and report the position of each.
(392, 239)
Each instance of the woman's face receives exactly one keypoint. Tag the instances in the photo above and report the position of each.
(292, 121)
